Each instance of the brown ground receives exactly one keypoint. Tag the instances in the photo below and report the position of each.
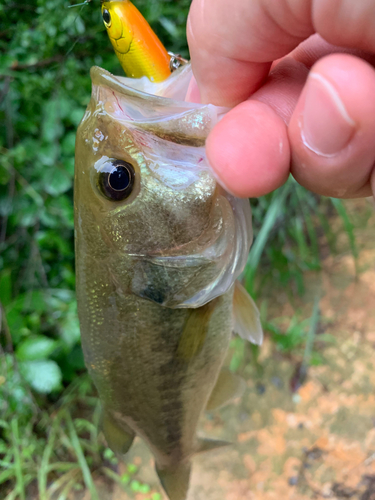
(318, 441)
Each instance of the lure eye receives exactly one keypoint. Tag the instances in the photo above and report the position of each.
(106, 18)
(117, 184)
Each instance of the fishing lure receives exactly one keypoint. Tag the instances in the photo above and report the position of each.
(137, 47)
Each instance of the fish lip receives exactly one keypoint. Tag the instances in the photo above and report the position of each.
(156, 93)
(101, 77)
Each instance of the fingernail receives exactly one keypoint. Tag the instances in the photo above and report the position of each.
(193, 94)
(326, 125)
(218, 179)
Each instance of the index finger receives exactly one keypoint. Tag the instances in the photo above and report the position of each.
(233, 43)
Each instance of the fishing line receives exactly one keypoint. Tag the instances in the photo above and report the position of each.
(86, 2)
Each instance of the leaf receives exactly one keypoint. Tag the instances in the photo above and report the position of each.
(68, 144)
(28, 216)
(52, 128)
(36, 348)
(169, 26)
(57, 181)
(5, 287)
(43, 376)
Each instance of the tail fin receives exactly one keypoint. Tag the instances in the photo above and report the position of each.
(175, 481)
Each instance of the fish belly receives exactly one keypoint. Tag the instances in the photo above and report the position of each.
(131, 348)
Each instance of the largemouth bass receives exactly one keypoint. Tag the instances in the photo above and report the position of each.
(159, 246)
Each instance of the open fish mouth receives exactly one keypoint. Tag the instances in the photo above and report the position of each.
(174, 132)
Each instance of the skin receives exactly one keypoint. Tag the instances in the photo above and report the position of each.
(302, 103)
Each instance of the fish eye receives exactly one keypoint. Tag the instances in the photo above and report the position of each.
(106, 18)
(117, 184)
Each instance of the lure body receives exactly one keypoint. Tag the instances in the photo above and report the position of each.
(137, 47)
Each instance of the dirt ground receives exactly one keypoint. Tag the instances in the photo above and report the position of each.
(319, 441)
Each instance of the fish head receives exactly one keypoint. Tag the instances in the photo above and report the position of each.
(147, 204)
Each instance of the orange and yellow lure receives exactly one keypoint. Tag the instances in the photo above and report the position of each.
(138, 49)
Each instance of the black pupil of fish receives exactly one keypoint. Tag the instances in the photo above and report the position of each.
(119, 178)
(106, 16)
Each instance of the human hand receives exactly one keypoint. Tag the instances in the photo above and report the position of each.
(311, 113)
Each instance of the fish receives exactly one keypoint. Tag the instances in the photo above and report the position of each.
(137, 47)
(159, 248)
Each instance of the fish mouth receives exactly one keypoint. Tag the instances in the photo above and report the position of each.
(174, 87)
(196, 273)
(156, 108)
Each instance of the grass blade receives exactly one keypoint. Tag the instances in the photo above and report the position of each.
(12, 495)
(66, 490)
(17, 459)
(63, 480)
(349, 228)
(312, 332)
(257, 249)
(44, 465)
(112, 475)
(81, 459)
(6, 475)
(61, 466)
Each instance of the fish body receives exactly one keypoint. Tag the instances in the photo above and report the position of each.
(155, 268)
(137, 47)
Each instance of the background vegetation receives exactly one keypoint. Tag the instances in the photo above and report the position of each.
(45, 395)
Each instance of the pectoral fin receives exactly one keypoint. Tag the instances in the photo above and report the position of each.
(228, 387)
(195, 331)
(175, 481)
(246, 316)
(119, 438)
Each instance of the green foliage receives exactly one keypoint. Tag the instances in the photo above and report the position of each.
(58, 452)
(289, 226)
(44, 89)
(47, 51)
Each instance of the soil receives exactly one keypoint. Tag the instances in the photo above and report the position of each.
(314, 442)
